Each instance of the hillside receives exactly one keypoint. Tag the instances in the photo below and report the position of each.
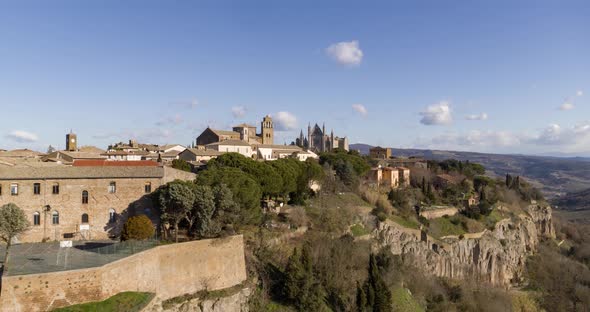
(555, 176)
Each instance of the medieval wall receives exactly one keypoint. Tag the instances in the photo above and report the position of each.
(439, 213)
(169, 271)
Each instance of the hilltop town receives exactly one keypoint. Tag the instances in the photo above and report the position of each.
(203, 226)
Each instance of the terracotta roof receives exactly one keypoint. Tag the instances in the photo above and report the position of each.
(230, 142)
(112, 163)
(200, 152)
(91, 149)
(74, 172)
(20, 153)
(225, 132)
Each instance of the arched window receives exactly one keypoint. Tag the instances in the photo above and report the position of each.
(84, 197)
(55, 188)
(36, 218)
(112, 215)
(84, 218)
(55, 217)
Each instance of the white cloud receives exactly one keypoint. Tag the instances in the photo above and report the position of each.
(285, 121)
(346, 53)
(482, 116)
(360, 108)
(554, 134)
(21, 136)
(238, 111)
(567, 105)
(437, 114)
(580, 93)
(481, 140)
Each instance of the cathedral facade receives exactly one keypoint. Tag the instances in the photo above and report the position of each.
(318, 140)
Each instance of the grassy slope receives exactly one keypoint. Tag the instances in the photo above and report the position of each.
(403, 301)
(122, 302)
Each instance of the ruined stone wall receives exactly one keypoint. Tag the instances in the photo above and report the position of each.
(439, 213)
(169, 271)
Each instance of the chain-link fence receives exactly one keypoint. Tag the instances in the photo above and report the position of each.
(50, 257)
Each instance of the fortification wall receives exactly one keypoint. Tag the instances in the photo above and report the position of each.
(168, 271)
(439, 213)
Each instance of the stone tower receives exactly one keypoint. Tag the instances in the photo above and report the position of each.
(71, 142)
(267, 130)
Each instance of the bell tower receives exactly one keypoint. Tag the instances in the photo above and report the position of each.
(71, 142)
(267, 130)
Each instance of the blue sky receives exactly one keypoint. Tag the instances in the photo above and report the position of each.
(491, 76)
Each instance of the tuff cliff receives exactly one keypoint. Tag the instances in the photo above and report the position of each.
(496, 256)
(235, 302)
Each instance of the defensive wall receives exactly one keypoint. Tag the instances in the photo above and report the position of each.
(168, 270)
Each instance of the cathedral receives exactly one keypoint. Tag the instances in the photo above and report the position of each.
(318, 140)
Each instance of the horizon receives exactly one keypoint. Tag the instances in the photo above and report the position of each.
(503, 78)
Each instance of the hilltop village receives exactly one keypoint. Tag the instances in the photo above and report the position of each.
(235, 222)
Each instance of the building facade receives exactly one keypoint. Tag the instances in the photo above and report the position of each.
(82, 203)
(318, 140)
(380, 152)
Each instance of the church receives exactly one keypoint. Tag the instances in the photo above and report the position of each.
(318, 140)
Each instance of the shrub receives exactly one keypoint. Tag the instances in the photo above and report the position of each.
(138, 228)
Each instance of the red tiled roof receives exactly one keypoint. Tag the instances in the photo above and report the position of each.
(111, 163)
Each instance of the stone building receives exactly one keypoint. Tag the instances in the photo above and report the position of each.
(380, 152)
(82, 202)
(232, 146)
(392, 177)
(242, 132)
(319, 141)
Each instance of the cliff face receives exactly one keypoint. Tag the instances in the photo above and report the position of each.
(496, 256)
(237, 302)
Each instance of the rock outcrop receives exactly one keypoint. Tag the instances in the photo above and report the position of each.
(237, 302)
(497, 256)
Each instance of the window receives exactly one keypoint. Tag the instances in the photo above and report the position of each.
(0, 190)
(112, 187)
(14, 189)
(148, 187)
(55, 218)
(84, 218)
(84, 197)
(37, 188)
(55, 188)
(112, 215)
(36, 218)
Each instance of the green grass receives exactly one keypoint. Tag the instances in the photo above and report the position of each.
(121, 302)
(493, 218)
(358, 230)
(405, 222)
(404, 301)
(440, 227)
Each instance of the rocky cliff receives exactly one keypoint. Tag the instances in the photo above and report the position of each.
(236, 302)
(497, 256)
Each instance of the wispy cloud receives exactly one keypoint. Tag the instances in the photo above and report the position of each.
(580, 93)
(437, 114)
(285, 121)
(21, 136)
(346, 53)
(361, 109)
(171, 121)
(482, 116)
(567, 105)
(238, 111)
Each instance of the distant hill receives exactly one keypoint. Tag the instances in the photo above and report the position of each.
(555, 176)
(574, 201)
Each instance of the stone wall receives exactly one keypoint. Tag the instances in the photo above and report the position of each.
(169, 271)
(439, 213)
